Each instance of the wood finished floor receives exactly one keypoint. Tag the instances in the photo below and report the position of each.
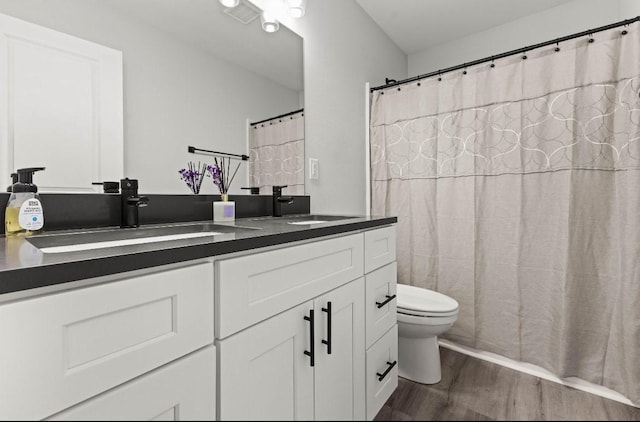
(473, 390)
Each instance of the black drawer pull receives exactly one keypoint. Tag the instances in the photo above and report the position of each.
(328, 340)
(389, 299)
(312, 353)
(384, 374)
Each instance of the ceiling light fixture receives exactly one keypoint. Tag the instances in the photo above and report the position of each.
(230, 3)
(269, 21)
(277, 10)
(296, 8)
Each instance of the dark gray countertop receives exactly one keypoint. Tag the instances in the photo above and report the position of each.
(23, 266)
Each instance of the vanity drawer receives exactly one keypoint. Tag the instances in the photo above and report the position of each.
(182, 390)
(381, 303)
(257, 286)
(380, 248)
(69, 346)
(380, 364)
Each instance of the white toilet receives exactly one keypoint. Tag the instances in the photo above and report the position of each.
(422, 316)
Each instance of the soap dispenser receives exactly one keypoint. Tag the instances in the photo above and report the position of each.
(24, 211)
(14, 179)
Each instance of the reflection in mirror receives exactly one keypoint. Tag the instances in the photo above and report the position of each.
(193, 74)
(276, 151)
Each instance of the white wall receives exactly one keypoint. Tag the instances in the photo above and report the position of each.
(629, 8)
(566, 19)
(343, 50)
(174, 94)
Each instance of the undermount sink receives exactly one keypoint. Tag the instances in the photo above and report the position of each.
(302, 220)
(99, 239)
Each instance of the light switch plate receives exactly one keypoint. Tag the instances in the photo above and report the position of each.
(314, 172)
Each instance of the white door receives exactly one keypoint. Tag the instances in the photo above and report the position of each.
(264, 371)
(60, 108)
(340, 375)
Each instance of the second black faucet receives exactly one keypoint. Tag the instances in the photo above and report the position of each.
(278, 200)
(130, 202)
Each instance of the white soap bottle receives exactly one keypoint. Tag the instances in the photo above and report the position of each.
(24, 214)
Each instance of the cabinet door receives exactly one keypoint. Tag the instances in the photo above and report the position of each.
(264, 371)
(382, 371)
(340, 375)
(381, 304)
(379, 248)
(181, 390)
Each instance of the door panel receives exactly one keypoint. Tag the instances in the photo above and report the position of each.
(339, 376)
(264, 373)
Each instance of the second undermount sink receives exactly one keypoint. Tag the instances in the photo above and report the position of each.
(99, 239)
(311, 219)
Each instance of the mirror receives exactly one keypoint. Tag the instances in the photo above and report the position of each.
(194, 75)
(276, 150)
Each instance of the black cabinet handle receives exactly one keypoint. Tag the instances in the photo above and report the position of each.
(328, 340)
(389, 299)
(312, 353)
(384, 374)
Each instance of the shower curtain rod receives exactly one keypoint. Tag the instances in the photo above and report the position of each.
(277, 117)
(509, 53)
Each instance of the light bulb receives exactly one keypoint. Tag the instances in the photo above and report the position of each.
(269, 22)
(230, 3)
(296, 8)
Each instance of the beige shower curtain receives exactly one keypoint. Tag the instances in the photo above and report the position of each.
(517, 191)
(276, 154)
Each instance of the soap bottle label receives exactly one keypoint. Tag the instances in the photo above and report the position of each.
(31, 216)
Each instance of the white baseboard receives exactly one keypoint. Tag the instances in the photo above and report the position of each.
(539, 372)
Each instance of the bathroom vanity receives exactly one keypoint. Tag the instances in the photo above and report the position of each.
(281, 319)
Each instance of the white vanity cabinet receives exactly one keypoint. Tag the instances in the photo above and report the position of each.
(61, 349)
(300, 332)
(302, 299)
(381, 317)
(281, 369)
(292, 329)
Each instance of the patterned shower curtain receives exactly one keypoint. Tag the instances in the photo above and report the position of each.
(276, 155)
(517, 191)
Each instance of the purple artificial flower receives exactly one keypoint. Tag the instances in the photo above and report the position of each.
(217, 175)
(193, 176)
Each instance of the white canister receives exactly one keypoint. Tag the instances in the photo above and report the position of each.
(224, 210)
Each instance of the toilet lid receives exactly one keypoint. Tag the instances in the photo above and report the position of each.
(422, 300)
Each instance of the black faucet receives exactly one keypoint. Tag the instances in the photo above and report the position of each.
(278, 199)
(255, 190)
(130, 202)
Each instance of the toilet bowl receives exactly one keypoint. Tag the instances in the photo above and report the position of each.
(423, 315)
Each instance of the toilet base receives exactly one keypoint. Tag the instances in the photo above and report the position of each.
(419, 359)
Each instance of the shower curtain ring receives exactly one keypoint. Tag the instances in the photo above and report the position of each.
(591, 38)
(439, 77)
(557, 47)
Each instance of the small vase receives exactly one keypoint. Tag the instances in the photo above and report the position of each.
(224, 210)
